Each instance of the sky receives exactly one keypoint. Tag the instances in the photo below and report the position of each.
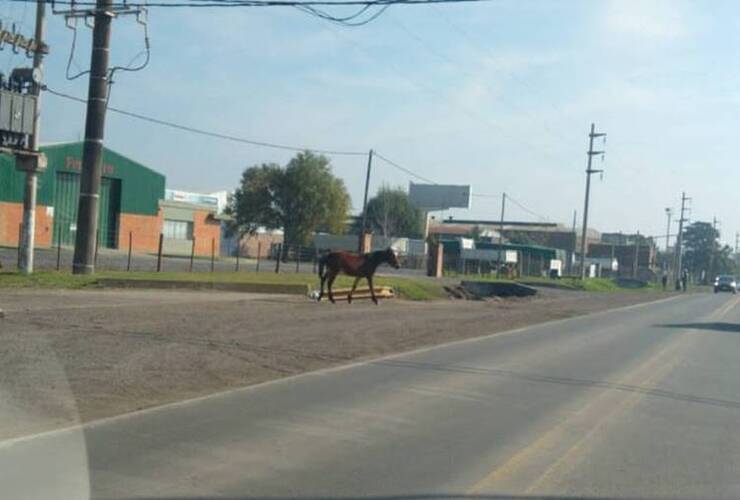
(499, 95)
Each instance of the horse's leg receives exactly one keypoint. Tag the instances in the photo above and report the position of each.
(323, 280)
(354, 285)
(372, 289)
(332, 277)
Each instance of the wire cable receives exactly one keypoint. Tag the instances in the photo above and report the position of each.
(404, 169)
(527, 210)
(207, 133)
(283, 147)
(251, 3)
(70, 60)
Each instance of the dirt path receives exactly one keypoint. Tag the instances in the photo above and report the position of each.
(67, 357)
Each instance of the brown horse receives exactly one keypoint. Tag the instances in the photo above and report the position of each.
(359, 266)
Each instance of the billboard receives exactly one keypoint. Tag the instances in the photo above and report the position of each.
(189, 197)
(430, 197)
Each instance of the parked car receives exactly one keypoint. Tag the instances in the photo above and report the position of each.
(725, 283)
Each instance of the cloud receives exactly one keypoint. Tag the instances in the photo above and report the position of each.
(652, 19)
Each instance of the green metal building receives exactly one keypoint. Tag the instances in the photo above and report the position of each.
(129, 197)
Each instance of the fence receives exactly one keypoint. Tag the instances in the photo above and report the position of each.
(292, 258)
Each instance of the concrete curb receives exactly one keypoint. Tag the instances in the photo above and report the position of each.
(279, 288)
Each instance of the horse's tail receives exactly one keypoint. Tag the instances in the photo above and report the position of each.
(322, 264)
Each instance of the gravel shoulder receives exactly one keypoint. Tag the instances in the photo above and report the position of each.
(73, 356)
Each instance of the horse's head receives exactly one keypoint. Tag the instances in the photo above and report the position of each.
(391, 258)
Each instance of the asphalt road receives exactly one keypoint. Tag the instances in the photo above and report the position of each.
(634, 403)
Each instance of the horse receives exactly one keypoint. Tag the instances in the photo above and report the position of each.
(358, 266)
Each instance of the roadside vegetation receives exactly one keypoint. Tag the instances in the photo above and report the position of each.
(569, 283)
(406, 288)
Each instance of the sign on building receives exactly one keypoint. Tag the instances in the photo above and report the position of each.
(188, 197)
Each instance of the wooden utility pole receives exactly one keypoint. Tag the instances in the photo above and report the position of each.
(363, 229)
(589, 171)
(92, 153)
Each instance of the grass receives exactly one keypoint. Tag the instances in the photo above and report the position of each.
(44, 280)
(589, 285)
(407, 288)
(568, 283)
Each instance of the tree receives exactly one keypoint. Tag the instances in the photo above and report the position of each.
(299, 198)
(390, 213)
(703, 252)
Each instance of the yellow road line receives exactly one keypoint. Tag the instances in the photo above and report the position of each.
(722, 311)
(564, 444)
(561, 442)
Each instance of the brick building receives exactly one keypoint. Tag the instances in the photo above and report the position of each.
(625, 255)
(131, 203)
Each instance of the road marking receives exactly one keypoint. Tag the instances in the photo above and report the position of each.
(323, 371)
(560, 448)
(725, 309)
(579, 450)
(563, 443)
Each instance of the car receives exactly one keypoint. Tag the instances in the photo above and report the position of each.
(725, 283)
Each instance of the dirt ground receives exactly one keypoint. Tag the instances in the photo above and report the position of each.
(73, 356)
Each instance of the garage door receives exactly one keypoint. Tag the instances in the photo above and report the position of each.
(66, 199)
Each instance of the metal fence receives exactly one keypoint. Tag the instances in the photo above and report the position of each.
(275, 258)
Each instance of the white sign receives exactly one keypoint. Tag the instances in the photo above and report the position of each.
(511, 257)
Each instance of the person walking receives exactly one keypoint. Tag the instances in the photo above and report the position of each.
(684, 279)
(664, 280)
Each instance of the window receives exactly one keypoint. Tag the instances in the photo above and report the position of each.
(178, 230)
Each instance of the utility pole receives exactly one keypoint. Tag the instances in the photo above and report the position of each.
(710, 271)
(737, 240)
(589, 171)
(573, 249)
(28, 233)
(501, 235)
(92, 153)
(679, 242)
(668, 213)
(636, 265)
(363, 230)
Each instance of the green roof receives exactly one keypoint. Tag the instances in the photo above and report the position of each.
(141, 187)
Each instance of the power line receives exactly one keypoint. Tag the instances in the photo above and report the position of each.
(478, 195)
(207, 133)
(346, 20)
(473, 41)
(515, 202)
(254, 3)
(530, 212)
(404, 169)
(424, 44)
(252, 142)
